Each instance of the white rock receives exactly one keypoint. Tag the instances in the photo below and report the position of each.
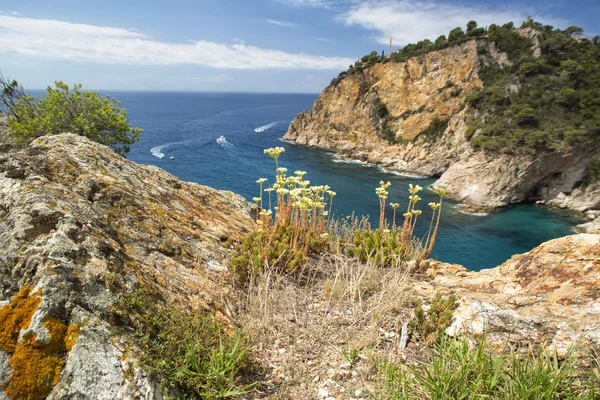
(323, 393)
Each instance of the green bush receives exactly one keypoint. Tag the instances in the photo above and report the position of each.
(470, 132)
(456, 35)
(526, 117)
(552, 101)
(189, 352)
(84, 113)
(429, 326)
(435, 130)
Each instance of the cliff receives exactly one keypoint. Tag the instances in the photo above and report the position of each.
(413, 117)
(81, 228)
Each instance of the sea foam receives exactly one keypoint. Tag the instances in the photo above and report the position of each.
(265, 127)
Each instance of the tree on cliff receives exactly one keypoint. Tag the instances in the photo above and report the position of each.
(85, 113)
(10, 93)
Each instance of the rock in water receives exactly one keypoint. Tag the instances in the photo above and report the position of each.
(80, 226)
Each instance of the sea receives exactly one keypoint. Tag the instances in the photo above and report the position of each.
(217, 139)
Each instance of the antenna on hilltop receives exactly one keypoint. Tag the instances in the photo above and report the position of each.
(390, 50)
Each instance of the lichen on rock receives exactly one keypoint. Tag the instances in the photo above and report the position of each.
(81, 226)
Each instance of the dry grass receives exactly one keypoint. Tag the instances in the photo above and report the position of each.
(325, 327)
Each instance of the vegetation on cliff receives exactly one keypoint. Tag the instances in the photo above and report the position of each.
(543, 101)
(99, 118)
(544, 97)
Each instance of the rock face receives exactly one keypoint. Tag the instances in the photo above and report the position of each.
(80, 225)
(357, 116)
(548, 295)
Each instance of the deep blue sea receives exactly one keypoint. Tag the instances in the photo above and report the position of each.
(182, 135)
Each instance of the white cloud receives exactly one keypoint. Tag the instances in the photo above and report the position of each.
(80, 42)
(307, 3)
(280, 23)
(411, 21)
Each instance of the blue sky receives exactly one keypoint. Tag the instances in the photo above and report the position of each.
(234, 45)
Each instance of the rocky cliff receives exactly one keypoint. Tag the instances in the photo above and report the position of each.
(81, 226)
(548, 295)
(420, 106)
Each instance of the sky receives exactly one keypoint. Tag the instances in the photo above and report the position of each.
(266, 46)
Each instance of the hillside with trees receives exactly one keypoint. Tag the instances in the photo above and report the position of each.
(546, 96)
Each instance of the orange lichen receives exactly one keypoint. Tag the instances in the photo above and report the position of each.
(36, 366)
(72, 335)
(16, 316)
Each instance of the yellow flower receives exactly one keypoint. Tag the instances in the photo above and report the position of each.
(441, 192)
(274, 152)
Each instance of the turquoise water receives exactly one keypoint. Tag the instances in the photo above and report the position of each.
(182, 136)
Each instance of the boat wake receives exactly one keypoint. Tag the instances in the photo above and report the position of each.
(157, 151)
(265, 127)
(223, 142)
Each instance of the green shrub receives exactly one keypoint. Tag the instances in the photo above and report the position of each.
(282, 248)
(298, 228)
(380, 111)
(429, 326)
(189, 352)
(456, 35)
(470, 132)
(526, 117)
(435, 130)
(84, 113)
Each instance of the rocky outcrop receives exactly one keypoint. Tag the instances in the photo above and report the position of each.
(398, 102)
(548, 295)
(79, 227)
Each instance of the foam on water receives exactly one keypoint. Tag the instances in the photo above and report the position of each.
(404, 174)
(265, 127)
(223, 142)
(157, 151)
(338, 158)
